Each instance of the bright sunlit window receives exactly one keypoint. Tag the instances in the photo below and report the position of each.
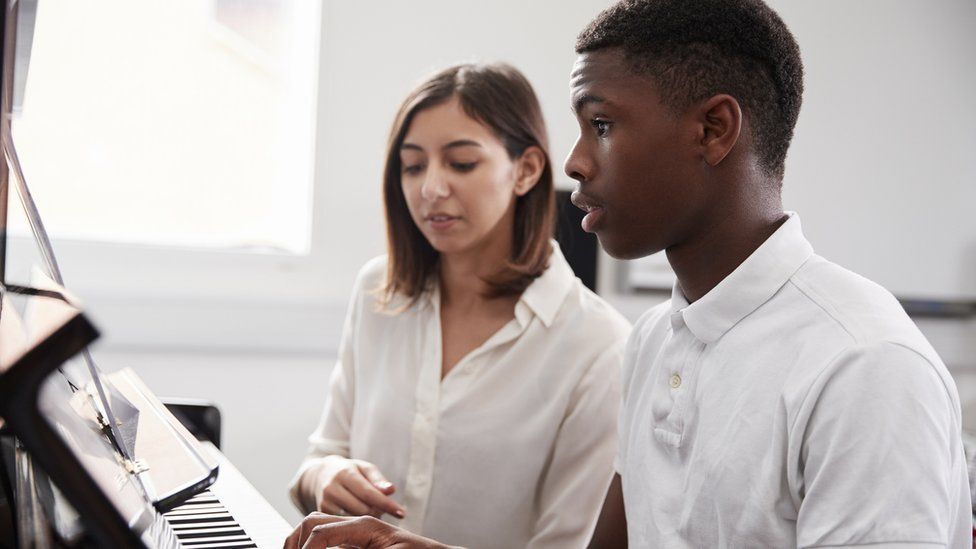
(181, 123)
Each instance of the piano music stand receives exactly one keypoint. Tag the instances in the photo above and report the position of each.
(20, 387)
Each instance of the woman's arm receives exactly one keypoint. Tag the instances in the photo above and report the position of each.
(582, 460)
(331, 437)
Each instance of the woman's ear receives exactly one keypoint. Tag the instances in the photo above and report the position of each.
(528, 169)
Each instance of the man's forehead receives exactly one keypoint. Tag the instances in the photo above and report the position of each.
(606, 76)
(596, 66)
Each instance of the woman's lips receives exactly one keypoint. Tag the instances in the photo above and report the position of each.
(441, 222)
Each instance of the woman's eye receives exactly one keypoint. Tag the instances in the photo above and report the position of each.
(601, 126)
(464, 166)
(413, 169)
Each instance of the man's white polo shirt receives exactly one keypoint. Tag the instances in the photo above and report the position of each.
(795, 404)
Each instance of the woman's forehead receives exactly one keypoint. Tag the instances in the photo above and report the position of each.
(447, 125)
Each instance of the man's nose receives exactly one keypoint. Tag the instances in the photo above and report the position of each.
(578, 164)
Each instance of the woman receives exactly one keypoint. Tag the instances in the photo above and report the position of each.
(477, 382)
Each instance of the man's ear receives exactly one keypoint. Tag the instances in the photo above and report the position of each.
(721, 123)
(529, 168)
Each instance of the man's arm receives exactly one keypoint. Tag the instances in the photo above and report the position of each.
(319, 531)
(611, 528)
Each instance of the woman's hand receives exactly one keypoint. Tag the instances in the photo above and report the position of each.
(319, 531)
(353, 487)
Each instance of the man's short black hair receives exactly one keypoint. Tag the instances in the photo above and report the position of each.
(696, 49)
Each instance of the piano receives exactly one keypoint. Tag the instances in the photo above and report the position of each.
(89, 459)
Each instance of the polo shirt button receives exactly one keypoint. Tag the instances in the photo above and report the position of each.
(675, 381)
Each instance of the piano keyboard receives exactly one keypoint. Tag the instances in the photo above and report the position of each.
(232, 514)
(203, 523)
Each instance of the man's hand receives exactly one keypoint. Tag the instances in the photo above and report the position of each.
(319, 531)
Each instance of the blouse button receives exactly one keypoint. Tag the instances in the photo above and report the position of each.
(675, 381)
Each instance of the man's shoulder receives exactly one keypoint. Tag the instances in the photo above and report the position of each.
(863, 310)
(860, 330)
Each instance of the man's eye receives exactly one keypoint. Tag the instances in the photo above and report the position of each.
(413, 169)
(601, 126)
(464, 166)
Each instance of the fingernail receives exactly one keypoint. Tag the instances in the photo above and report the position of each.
(400, 513)
(385, 485)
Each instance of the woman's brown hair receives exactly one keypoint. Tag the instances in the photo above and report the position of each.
(500, 97)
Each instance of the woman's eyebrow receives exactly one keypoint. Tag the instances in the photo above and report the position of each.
(451, 145)
(461, 143)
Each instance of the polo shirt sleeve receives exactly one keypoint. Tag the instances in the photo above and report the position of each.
(874, 457)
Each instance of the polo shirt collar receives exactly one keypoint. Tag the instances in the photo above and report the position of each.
(750, 285)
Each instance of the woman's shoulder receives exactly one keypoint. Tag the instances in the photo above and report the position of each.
(589, 317)
(581, 313)
(597, 311)
(369, 281)
(370, 290)
(372, 274)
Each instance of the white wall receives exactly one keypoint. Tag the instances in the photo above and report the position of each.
(266, 361)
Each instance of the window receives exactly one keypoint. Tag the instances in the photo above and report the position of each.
(169, 147)
(179, 123)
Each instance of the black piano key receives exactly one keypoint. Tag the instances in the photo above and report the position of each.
(185, 514)
(208, 534)
(216, 529)
(227, 546)
(210, 526)
(202, 501)
(214, 543)
(176, 522)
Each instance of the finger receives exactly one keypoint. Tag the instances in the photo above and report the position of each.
(369, 494)
(330, 507)
(349, 501)
(304, 529)
(373, 474)
(293, 541)
(357, 532)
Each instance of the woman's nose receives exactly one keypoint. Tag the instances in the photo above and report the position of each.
(435, 185)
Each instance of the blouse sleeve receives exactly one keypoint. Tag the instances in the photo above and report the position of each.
(331, 437)
(574, 485)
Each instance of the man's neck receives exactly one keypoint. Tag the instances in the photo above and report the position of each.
(704, 261)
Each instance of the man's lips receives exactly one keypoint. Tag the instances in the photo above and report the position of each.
(593, 208)
(584, 202)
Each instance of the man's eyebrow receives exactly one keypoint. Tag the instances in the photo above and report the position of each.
(584, 100)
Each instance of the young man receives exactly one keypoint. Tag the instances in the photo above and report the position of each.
(777, 400)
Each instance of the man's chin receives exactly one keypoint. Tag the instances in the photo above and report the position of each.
(625, 250)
